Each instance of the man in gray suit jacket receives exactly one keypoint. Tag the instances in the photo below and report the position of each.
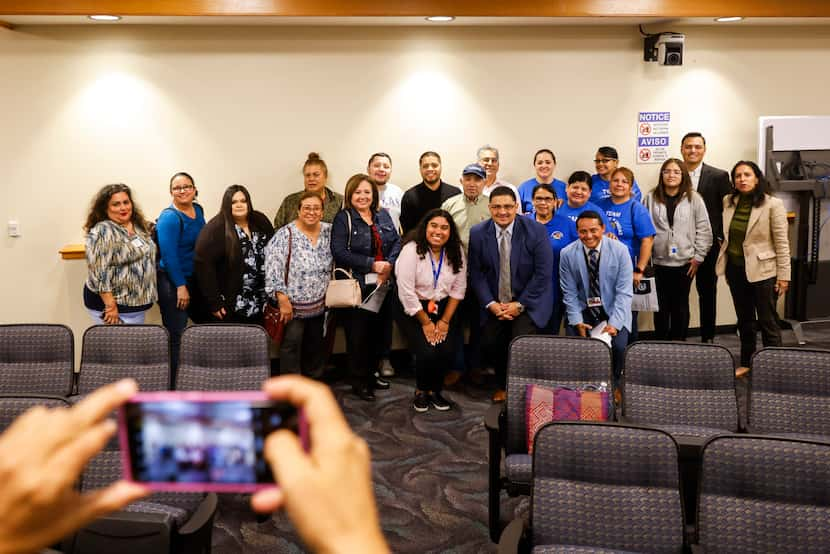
(712, 184)
(609, 300)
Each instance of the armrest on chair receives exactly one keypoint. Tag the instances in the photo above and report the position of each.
(203, 515)
(512, 536)
(493, 417)
(123, 531)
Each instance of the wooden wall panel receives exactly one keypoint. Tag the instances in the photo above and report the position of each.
(472, 8)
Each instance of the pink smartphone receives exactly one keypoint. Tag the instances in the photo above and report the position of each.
(202, 441)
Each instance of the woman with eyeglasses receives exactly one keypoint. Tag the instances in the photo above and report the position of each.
(606, 162)
(561, 232)
(177, 228)
(544, 164)
(121, 259)
(230, 259)
(683, 238)
(297, 270)
(630, 222)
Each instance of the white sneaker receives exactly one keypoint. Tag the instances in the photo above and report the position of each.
(386, 369)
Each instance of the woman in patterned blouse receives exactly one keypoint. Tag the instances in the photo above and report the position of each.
(303, 247)
(229, 261)
(121, 257)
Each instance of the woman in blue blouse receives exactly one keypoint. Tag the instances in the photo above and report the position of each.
(229, 261)
(121, 258)
(177, 228)
(364, 240)
(303, 247)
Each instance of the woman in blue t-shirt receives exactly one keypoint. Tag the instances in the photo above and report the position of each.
(561, 232)
(178, 227)
(544, 164)
(631, 223)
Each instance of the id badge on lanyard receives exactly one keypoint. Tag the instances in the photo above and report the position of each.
(432, 305)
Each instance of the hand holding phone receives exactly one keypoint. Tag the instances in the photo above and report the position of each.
(202, 441)
(326, 490)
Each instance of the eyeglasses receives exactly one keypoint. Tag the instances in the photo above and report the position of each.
(543, 199)
(183, 188)
(671, 172)
(500, 207)
(312, 209)
(604, 160)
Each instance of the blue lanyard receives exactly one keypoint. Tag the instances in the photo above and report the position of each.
(436, 272)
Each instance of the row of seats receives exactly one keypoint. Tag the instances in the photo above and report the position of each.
(602, 487)
(687, 390)
(39, 358)
(37, 368)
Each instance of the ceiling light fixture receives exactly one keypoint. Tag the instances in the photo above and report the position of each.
(105, 17)
(730, 19)
(440, 18)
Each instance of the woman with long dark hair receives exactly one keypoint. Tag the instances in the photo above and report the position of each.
(754, 256)
(230, 258)
(121, 259)
(683, 238)
(431, 281)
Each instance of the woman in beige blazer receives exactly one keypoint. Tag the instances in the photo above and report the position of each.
(754, 256)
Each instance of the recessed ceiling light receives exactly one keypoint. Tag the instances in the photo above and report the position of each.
(105, 17)
(730, 19)
(440, 18)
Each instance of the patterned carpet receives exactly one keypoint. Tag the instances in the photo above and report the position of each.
(430, 472)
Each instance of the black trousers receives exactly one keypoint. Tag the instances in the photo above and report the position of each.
(302, 349)
(362, 331)
(431, 362)
(706, 282)
(673, 287)
(751, 299)
(496, 337)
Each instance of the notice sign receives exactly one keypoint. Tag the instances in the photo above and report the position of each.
(653, 137)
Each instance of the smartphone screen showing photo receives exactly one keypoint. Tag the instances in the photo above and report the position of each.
(208, 441)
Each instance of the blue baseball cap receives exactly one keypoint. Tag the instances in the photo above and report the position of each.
(474, 169)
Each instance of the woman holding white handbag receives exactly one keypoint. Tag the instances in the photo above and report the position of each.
(366, 243)
(683, 238)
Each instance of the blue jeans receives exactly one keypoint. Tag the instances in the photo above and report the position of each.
(174, 319)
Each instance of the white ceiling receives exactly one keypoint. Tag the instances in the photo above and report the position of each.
(20, 20)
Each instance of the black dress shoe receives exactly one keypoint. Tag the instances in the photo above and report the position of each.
(380, 383)
(364, 393)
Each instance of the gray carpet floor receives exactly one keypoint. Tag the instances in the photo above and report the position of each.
(430, 472)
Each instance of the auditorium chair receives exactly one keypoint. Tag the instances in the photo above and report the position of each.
(223, 357)
(36, 358)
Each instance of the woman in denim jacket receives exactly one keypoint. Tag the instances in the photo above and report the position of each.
(365, 242)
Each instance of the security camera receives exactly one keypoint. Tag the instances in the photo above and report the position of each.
(670, 48)
(664, 48)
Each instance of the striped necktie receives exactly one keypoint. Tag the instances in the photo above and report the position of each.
(593, 282)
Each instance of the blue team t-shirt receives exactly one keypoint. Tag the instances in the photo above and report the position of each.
(630, 222)
(599, 190)
(572, 213)
(526, 192)
(561, 232)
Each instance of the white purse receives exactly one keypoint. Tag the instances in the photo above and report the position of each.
(343, 293)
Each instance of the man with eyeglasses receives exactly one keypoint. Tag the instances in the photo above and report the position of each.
(606, 161)
(511, 268)
(712, 184)
(488, 158)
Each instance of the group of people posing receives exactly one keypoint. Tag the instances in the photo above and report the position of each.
(502, 260)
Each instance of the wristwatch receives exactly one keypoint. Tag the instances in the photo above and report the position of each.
(520, 307)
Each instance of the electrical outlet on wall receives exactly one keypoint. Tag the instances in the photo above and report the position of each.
(14, 228)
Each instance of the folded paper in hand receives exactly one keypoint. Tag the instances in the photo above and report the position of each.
(598, 333)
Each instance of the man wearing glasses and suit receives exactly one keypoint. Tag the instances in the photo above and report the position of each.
(511, 265)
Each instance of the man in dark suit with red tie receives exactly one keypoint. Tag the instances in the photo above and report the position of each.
(712, 184)
(511, 268)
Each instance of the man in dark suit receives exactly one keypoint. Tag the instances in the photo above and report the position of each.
(712, 184)
(511, 268)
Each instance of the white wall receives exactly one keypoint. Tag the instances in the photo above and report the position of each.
(84, 106)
